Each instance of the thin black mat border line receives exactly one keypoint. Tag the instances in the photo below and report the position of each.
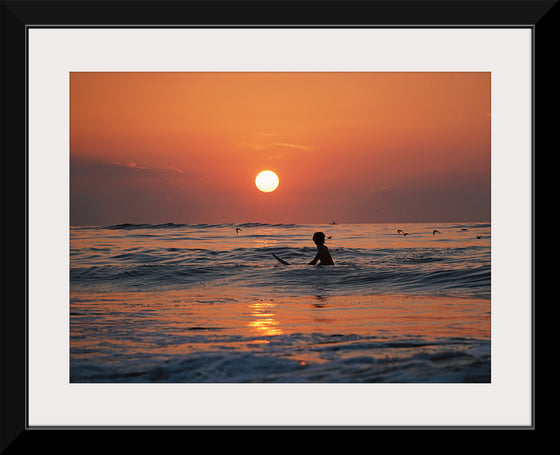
(278, 427)
(279, 26)
(288, 427)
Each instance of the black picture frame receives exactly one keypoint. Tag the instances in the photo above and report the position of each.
(17, 17)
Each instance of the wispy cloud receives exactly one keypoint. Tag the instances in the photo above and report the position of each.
(135, 166)
(279, 145)
(81, 168)
(293, 146)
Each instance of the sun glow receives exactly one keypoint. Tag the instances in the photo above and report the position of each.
(267, 181)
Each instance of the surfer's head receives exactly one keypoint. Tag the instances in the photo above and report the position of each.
(319, 238)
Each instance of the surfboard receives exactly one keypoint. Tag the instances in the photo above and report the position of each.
(282, 261)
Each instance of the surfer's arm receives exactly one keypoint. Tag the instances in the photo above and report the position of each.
(323, 256)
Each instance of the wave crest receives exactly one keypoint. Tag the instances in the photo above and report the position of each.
(130, 226)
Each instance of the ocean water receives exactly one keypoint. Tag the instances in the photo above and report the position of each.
(209, 303)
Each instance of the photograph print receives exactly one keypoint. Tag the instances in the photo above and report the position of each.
(280, 227)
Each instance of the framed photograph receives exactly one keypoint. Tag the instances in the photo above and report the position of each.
(319, 219)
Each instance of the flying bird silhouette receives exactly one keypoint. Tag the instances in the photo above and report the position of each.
(237, 230)
(435, 231)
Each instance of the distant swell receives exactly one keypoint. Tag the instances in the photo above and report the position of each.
(124, 257)
(342, 279)
(130, 226)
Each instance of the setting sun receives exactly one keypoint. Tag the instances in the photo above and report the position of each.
(267, 181)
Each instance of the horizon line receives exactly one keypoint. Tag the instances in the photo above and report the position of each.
(277, 223)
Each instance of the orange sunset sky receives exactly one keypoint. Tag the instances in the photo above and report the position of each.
(347, 147)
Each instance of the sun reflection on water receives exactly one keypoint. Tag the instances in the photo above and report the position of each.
(264, 322)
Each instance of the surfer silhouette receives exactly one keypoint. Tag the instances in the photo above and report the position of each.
(323, 255)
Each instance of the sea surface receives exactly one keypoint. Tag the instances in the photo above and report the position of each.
(179, 303)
